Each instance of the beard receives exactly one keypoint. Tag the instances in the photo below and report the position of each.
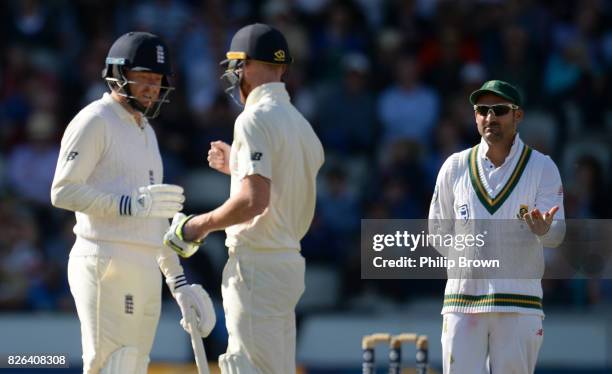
(245, 89)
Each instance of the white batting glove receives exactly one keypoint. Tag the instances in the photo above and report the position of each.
(195, 304)
(155, 201)
(173, 238)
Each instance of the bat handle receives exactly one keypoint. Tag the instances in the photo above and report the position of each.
(198, 350)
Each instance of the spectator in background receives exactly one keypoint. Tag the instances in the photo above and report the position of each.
(588, 197)
(411, 20)
(443, 57)
(166, 17)
(14, 104)
(31, 164)
(347, 110)
(519, 62)
(402, 177)
(302, 92)
(197, 59)
(281, 14)
(408, 109)
(565, 68)
(446, 141)
(338, 37)
(389, 43)
(339, 210)
(32, 23)
(21, 261)
(89, 73)
(472, 76)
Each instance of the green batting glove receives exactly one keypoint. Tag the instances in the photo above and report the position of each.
(173, 238)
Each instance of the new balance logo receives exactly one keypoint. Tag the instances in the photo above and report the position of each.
(256, 156)
(72, 155)
(129, 304)
(540, 332)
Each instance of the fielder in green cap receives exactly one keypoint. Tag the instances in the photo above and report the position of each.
(495, 325)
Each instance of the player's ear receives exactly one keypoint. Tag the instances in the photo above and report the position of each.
(518, 115)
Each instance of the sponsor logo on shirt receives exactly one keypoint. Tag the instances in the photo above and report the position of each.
(256, 156)
(72, 155)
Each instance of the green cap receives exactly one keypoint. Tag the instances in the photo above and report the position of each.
(499, 88)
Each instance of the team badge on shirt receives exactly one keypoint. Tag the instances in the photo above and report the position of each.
(524, 209)
(256, 156)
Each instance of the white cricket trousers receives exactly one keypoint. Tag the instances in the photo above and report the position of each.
(117, 292)
(260, 290)
(497, 343)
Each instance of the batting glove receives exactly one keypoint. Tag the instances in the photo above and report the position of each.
(174, 237)
(195, 304)
(155, 201)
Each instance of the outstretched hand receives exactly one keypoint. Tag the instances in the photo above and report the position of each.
(540, 223)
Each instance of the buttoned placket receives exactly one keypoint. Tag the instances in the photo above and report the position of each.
(492, 173)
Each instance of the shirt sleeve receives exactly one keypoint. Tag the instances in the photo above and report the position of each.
(82, 146)
(442, 201)
(441, 212)
(550, 194)
(254, 147)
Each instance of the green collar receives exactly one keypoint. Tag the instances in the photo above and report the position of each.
(490, 203)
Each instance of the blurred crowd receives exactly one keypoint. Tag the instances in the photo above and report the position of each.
(385, 84)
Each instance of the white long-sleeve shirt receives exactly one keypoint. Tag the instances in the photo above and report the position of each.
(272, 139)
(104, 156)
(470, 187)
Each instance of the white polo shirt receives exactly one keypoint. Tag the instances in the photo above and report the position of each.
(272, 139)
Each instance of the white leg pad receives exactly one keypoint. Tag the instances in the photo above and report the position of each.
(236, 364)
(123, 360)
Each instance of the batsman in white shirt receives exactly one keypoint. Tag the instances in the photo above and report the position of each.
(109, 173)
(273, 162)
(495, 325)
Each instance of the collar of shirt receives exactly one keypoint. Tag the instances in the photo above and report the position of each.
(275, 90)
(121, 111)
(517, 145)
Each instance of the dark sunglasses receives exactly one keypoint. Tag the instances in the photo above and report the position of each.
(498, 109)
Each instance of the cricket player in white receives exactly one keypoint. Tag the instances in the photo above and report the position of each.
(495, 325)
(273, 162)
(109, 173)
